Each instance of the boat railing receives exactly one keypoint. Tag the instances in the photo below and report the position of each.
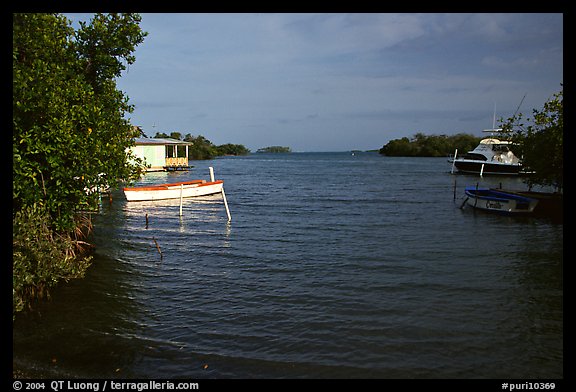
(176, 161)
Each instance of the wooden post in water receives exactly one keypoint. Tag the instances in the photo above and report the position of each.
(476, 198)
(158, 248)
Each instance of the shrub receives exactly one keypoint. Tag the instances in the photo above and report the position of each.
(41, 257)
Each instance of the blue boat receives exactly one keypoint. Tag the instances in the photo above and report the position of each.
(496, 200)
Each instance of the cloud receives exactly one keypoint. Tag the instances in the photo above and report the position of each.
(332, 35)
(543, 57)
(336, 78)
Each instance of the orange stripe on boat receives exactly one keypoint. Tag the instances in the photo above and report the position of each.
(163, 187)
(146, 188)
(183, 183)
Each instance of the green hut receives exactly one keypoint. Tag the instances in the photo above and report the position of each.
(162, 154)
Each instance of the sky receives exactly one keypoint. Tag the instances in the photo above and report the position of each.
(339, 82)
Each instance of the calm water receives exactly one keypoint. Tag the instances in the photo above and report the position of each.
(333, 266)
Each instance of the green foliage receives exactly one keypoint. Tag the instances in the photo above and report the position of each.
(430, 146)
(203, 148)
(69, 135)
(232, 149)
(540, 142)
(68, 116)
(275, 149)
(176, 135)
(105, 44)
(40, 257)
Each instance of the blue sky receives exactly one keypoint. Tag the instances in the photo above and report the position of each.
(337, 82)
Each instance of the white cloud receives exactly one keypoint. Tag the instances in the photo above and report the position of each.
(323, 74)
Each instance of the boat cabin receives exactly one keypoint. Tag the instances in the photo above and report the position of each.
(162, 154)
(494, 150)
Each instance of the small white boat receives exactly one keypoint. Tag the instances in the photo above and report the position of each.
(495, 200)
(174, 190)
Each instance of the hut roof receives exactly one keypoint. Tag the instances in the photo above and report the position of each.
(149, 141)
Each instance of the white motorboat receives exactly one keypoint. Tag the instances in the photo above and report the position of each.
(491, 156)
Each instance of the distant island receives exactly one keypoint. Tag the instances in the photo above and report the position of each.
(203, 148)
(275, 149)
(429, 146)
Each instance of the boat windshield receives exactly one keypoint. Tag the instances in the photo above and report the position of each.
(500, 148)
(473, 156)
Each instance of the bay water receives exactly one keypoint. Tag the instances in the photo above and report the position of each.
(335, 265)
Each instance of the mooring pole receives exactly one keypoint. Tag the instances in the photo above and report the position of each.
(476, 195)
(226, 205)
(181, 191)
(223, 194)
(453, 161)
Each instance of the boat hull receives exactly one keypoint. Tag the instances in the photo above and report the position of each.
(549, 204)
(475, 167)
(194, 188)
(500, 202)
